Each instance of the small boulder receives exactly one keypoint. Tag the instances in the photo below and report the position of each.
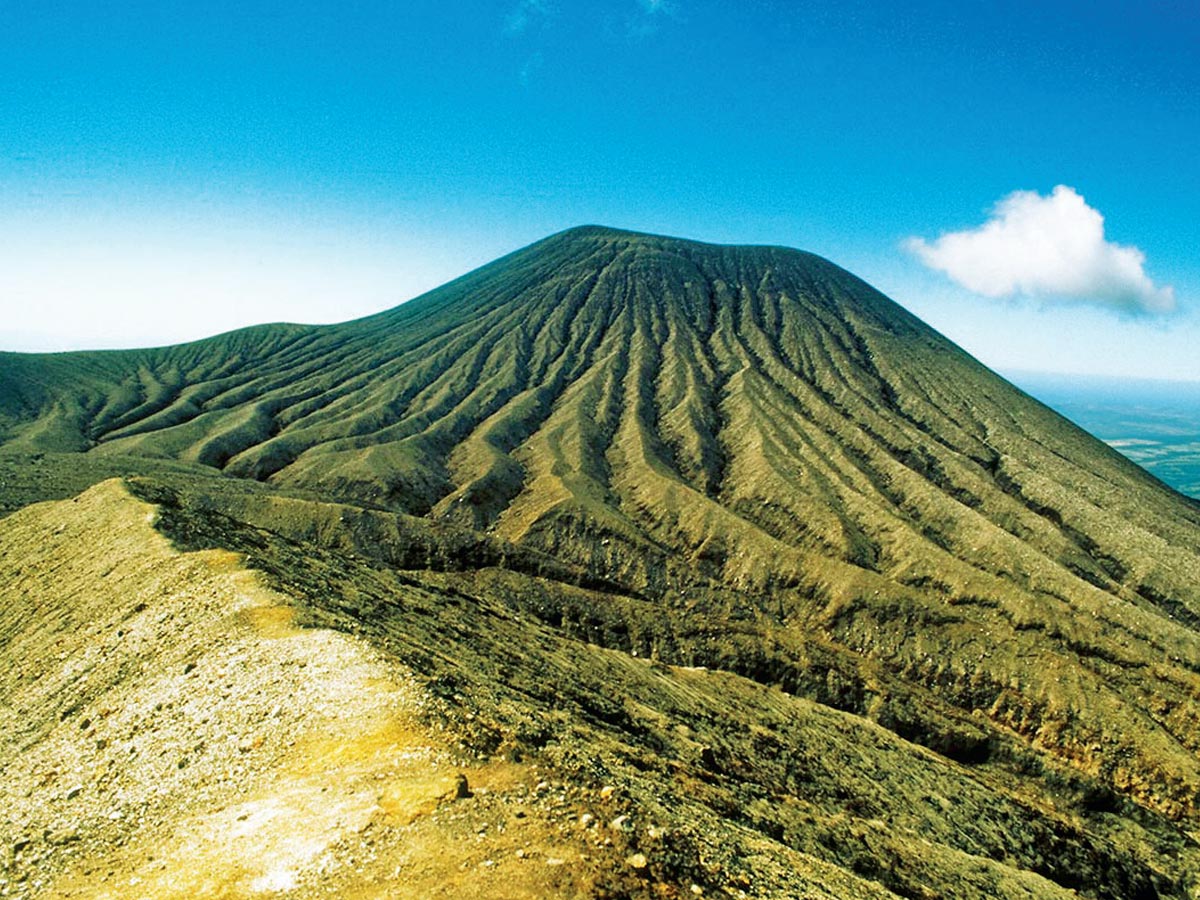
(462, 788)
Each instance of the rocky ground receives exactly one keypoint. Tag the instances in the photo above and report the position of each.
(270, 719)
(170, 732)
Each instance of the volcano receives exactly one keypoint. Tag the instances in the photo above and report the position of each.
(669, 569)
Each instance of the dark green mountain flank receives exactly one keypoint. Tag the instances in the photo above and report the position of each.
(837, 611)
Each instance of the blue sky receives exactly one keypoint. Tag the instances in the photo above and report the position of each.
(169, 170)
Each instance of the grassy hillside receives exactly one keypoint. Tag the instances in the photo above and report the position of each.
(724, 524)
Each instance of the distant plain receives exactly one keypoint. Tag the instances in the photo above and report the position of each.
(1154, 423)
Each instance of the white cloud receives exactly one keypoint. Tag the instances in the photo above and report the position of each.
(644, 22)
(524, 13)
(1049, 248)
(530, 68)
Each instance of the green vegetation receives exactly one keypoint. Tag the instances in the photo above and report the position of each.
(723, 526)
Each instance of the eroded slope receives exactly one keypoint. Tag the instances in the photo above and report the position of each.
(611, 447)
(200, 729)
(169, 731)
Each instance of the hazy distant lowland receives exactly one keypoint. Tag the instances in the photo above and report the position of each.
(1154, 423)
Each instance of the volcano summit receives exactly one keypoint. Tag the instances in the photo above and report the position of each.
(717, 572)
